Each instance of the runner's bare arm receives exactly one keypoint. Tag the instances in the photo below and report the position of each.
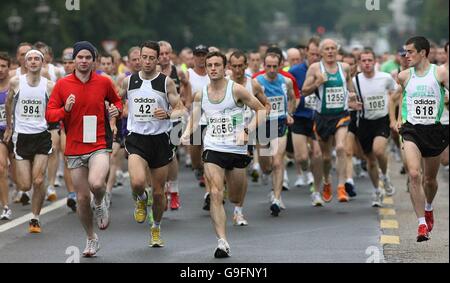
(185, 89)
(311, 82)
(394, 101)
(292, 99)
(13, 89)
(348, 77)
(112, 96)
(241, 94)
(403, 77)
(259, 94)
(178, 109)
(194, 120)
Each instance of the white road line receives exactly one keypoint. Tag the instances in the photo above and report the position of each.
(26, 218)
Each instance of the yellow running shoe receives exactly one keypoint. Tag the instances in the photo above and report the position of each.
(155, 241)
(140, 212)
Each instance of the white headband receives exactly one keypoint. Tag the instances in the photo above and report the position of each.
(34, 51)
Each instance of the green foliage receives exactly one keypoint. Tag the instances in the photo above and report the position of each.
(223, 23)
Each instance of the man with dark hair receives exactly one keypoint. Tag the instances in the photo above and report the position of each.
(152, 101)
(275, 50)
(183, 90)
(225, 155)
(198, 78)
(238, 64)
(375, 89)
(5, 148)
(107, 64)
(254, 63)
(22, 49)
(26, 103)
(303, 129)
(280, 95)
(422, 103)
(352, 146)
(89, 136)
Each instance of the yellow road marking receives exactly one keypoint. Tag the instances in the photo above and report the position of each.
(389, 224)
(390, 240)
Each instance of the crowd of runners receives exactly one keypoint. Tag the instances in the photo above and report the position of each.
(102, 120)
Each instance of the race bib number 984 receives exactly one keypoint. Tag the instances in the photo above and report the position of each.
(31, 109)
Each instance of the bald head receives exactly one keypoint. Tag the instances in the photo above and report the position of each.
(329, 50)
(328, 42)
(294, 56)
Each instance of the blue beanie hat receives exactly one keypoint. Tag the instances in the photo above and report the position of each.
(83, 45)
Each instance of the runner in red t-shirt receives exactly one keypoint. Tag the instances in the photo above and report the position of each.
(79, 101)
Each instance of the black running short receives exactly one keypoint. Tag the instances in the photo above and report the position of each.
(370, 129)
(353, 127)
(54, 126)
(227, 161)
(27, 146)
(327, 126)
(156, 150)
(304, 127)
(431, 140)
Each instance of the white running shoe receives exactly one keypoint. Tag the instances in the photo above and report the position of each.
(57, 183)
(317, 200)
(388, 186)
(378, 199)
(223, 249)
(51, 194)
(239, 220)
(92, 247)
(6, 214)
(300, 181)
(102, 216)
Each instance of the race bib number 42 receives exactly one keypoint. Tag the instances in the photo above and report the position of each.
(144, 109)
(335, 98)
(31, 108)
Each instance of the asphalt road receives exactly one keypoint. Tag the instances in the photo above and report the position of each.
(302, 234)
